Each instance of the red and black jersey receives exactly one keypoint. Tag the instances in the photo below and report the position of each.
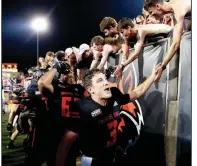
(59, 101)
(98, 125)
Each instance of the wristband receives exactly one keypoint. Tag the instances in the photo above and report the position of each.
(163, 67)
(123, 66)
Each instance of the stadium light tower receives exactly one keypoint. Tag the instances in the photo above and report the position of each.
(39, 24)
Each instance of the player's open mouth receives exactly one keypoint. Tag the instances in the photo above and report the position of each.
(107, 89)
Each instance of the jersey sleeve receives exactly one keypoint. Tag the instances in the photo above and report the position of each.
(118, 96)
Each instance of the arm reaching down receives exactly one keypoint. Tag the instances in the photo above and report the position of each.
(138, 48)
(95, 60)
(177, 33)
(107, 49)
(125, 51)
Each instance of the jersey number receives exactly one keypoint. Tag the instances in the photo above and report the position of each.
(113, 133)
(66, 101)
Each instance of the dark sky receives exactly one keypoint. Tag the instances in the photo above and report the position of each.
(72, 22)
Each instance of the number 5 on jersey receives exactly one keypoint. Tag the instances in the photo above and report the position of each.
(66, 101)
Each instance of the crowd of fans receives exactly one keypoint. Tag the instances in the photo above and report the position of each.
(54, 74)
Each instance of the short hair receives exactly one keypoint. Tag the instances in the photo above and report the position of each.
(87, 78)
(97, 40)
(124, 23)
(50, 53)
(140, 17)
(106, 23)
(60, 55)
(112, 41)
(151, 3)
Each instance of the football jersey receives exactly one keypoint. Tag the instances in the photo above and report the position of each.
(59, 101)
(98, 125)
(58, 114)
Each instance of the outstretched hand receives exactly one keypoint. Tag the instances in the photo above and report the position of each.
(118, 70)
(159, 73)
(155, 70)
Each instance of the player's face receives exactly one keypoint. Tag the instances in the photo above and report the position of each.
(100, 86)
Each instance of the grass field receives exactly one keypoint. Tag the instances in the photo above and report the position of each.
(16, 156)
(10, 157)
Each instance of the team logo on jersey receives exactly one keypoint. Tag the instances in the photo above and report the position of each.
(115, 103)
(96, 112)
(76, 90)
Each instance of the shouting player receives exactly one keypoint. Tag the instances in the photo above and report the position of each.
(97, 127)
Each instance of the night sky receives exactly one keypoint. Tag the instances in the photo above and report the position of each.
(72, 22)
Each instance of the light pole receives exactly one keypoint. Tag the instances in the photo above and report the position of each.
(39, 24)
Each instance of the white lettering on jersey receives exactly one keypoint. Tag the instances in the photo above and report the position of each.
(96, 112)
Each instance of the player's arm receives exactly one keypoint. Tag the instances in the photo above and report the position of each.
(105, 54)
(138, 48)
(137, 92)
(143, 87)
(70, 136)
(45, 82)
(68, 139)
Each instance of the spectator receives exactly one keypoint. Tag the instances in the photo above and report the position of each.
(129, 31)
(109, 26)
(180, 8)
(153, 20)
(70, 55)
(40, 60)
(168, 19)
(71, 58)
(49, 58)
(41, 63)
(84, 64)
(145, 13)
(150, 19)
(103, 47)
(140, 20)
(60, 55)
(77, 54)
